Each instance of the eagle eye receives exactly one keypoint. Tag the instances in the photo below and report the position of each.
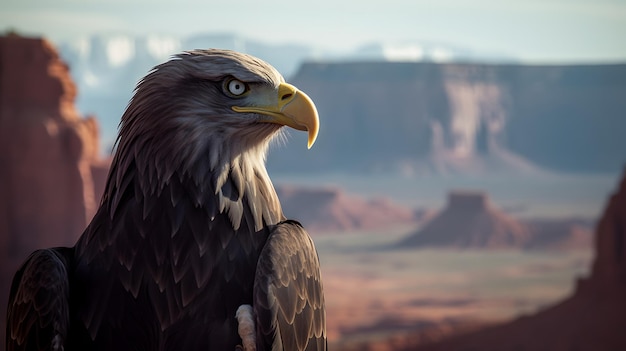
(236, 87)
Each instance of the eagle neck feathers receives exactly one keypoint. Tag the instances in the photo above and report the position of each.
(223, 180)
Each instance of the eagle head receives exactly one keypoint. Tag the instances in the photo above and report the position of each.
(215, 104)
(207, 116)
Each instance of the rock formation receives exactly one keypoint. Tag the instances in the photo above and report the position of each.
(470, 221)
(48, 156)
(329, 209)
(48, 153)
(454, 118)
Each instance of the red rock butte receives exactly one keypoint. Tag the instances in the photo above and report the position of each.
(51, 174)
(470, 221)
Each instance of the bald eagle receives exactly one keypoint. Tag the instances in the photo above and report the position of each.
(189, 249)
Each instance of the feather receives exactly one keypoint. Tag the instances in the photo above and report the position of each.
(280, 303)
(38, 310)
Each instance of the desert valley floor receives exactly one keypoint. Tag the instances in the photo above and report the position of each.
(373, 291)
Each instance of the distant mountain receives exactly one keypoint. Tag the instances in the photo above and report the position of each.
(470, 221)
(425, 52)
(462, 118)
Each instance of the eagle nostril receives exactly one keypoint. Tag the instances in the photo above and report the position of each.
(286, 96)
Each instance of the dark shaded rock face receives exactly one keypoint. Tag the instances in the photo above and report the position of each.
(48, 156)
(462, 118)
(609, 267)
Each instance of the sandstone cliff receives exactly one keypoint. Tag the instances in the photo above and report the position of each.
(48, 153)
(48, 156)
(462, 118)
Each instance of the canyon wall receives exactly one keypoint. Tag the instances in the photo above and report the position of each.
(49, 156)
(462, 118)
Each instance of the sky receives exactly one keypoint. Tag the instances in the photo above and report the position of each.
(529, 30)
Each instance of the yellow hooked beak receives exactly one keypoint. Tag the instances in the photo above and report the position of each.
(291, 108)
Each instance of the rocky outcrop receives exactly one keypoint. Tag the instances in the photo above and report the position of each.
(323, 210)
(470, 221)
(48, 155)
(420, 117)
(609, 267)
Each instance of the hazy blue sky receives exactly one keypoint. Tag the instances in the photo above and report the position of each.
(532, 30)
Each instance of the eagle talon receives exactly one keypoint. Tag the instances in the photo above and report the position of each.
(57, 343)
(246, 328)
